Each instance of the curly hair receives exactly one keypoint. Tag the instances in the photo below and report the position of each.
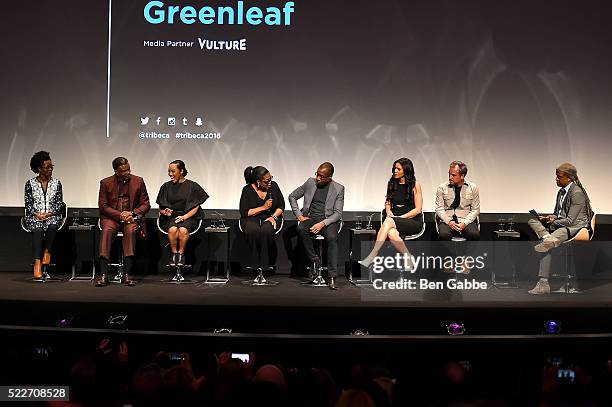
(38, 159)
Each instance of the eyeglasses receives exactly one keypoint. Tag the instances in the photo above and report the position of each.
(267, 181)
(48, 167)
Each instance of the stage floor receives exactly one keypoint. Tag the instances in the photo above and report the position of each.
(290, 307)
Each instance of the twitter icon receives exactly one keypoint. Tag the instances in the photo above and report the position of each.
(144, 121)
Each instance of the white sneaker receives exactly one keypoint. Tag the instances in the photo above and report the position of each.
(540, 288)
(546, 244)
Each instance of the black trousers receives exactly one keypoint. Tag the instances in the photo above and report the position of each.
(260, 239)
(330, 233)
(470, 232)
(43, 239)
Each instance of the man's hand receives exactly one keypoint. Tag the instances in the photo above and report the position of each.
(455, 226)
(317, 227)
(302, 218)
(126, 216)
(547, 218)
(461, 226)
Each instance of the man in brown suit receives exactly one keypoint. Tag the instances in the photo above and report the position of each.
(123, 202)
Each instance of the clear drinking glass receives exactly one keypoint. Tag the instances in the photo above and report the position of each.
(501, 225)
(221, 220)
(85, 218)
(358, 222)
(76, 214)
(510, 224)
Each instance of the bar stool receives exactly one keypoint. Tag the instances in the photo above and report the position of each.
(456, 241)
(583, 235)
(178, 274)
(46, 277)
(316, 272)
(119, 264)
(406, 238)
(259, 279)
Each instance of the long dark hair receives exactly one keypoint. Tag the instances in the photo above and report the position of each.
(408, 176)
(254, 174)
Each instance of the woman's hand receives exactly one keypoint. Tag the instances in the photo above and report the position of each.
(180, 218)
(267, 205)
(272, 221)
(390, 214)
(166, 212)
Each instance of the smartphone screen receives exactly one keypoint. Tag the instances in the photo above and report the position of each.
(242, 356)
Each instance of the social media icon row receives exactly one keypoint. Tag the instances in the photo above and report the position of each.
(171, 121)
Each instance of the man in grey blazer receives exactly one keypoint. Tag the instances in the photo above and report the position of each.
(321, 213)
(572, 212)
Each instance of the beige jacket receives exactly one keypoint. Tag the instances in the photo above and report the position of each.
(469, 205)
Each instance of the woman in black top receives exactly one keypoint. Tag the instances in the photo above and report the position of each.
(261, 207)
(179, 202)
(403, 208)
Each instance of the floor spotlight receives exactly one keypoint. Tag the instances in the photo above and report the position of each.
(552, 327)
(223, 330)
(65, 322)
(455, 328)
(360, 332)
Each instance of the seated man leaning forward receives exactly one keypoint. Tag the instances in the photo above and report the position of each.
(457, 205)
(323, 205)
(123, 202)
(572, 212)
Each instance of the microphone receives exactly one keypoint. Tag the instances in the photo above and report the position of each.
(369, 225)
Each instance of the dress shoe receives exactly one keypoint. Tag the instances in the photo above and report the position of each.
(37, 269)
(46, 257)
(540, 288)
(173, 259)
(125, 280)
(546, 244)
(332, 283)
(102, 281)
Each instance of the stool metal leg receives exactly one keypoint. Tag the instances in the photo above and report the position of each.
(178, 277)
(259, 279)
(317, 269)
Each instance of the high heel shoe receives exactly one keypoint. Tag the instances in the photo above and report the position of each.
(37, 269)
(46, 260)
(365, 262)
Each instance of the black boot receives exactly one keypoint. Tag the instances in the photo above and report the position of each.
(125, 279)
(103, 280)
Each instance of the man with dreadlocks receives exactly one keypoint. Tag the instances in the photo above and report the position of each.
(572, 213)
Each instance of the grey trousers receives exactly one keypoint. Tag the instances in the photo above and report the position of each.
(541, 231)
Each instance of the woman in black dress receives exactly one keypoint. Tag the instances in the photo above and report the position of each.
(261, 207)
(403, 208)
(179, 202)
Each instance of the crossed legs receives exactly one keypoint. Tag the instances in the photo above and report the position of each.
(388, 230)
